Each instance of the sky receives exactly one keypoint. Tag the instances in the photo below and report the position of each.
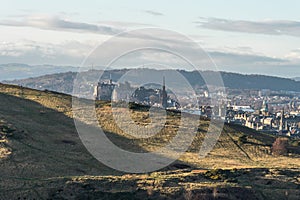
(252, 37)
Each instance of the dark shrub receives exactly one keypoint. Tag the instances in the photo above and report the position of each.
(279, 147)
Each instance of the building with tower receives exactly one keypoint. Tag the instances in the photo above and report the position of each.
(104, 90)
(265, 108)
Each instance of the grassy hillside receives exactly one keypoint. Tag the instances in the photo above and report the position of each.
(41, 156)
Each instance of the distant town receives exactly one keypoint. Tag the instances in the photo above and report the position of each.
(273, 112)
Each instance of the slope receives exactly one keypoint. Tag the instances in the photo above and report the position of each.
(43, 157)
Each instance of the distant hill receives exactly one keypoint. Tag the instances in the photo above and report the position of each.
(22, 71)
(63, 82)
(296, 78)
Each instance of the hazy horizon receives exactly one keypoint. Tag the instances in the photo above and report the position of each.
(248, 38)
(69, 68)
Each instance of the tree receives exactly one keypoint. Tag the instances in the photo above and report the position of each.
(279, 147)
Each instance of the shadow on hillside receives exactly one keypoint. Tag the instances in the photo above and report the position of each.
(48, 159)
(46, 144)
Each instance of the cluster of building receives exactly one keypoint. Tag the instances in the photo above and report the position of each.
(107, 90)
(279, 122)
(274, 112)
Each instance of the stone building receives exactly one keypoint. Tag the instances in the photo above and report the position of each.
(104, 90)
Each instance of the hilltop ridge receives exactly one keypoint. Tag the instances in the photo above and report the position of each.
(63, 82)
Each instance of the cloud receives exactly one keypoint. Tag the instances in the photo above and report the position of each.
(155, 13)
(73, 53)
(294, 55)
(31, 52)
(231, 58)
(57, 23)
(268, 27)
(239, 59)
(124, 24)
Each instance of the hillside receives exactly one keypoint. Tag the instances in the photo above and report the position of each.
(296, 78)
(42, 157)
(63, 82)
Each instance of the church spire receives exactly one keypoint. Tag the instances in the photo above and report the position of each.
(281, 120)
(110, 79)
(164, 94)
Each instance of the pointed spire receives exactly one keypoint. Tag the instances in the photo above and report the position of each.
(164, 94)
(110, 80)
(281, 120)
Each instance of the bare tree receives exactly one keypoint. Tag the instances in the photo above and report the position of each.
(279, 147)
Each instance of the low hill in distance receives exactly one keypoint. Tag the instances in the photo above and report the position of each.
(63, 82)
(296, 78)
(12, 71)
(42, 157)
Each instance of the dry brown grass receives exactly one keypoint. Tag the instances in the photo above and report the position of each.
(227, 153)
(43, 156)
